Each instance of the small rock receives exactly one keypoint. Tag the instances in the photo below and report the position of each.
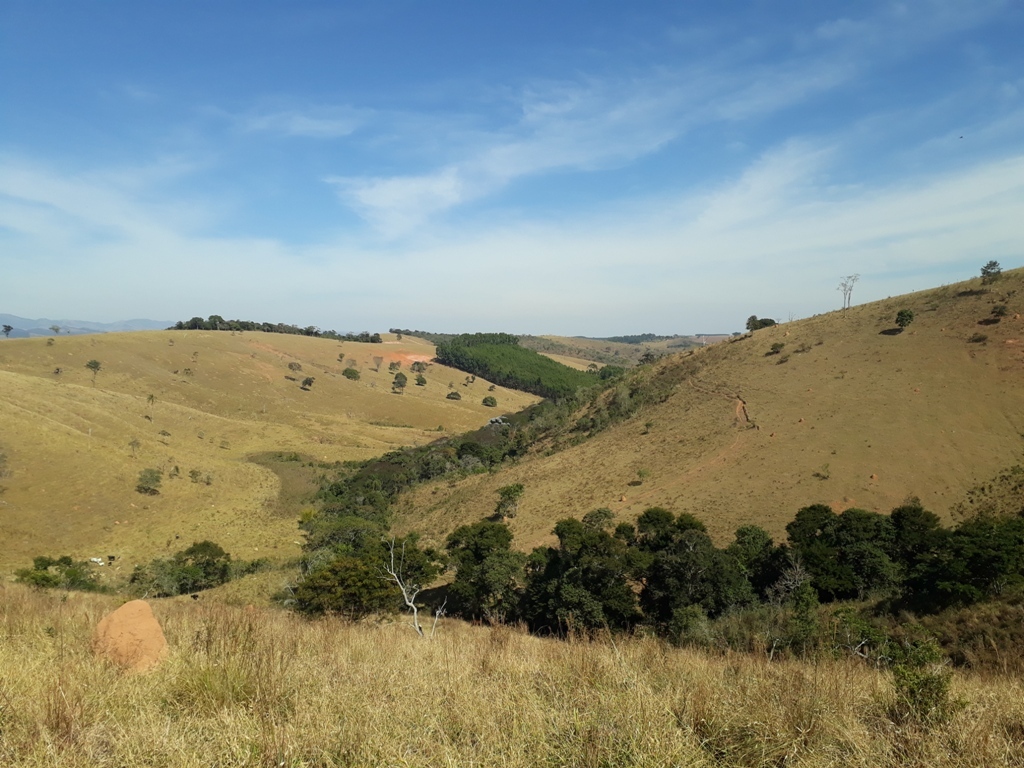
(131, 637)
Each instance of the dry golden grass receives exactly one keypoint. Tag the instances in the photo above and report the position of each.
(220, 398)
(256, 687)
(880, 416)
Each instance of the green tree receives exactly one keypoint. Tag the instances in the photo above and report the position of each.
(307, 382)
(508, 501)
(55, 329)
(60, 573)
(203, 565)
(490, 402)
(149, 481)
(453, 396)
(991, 272)
(7, 330)
(351, 373)
(94, 366)
(348, 586)
(581, 584)
(488, 572)
(398, 385)
(755, 323)
(421, 380)
(904, 318)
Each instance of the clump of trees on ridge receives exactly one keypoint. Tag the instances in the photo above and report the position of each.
(218, 323)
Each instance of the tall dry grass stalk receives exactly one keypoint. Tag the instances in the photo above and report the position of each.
(245, 687)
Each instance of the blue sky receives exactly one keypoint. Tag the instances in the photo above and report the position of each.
(586, 168)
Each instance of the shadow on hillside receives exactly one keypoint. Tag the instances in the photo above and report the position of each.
(989, 321)
(891, 332)
(972, 292)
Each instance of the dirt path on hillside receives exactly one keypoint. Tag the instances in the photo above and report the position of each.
(742, 422)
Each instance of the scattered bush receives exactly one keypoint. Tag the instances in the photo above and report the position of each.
(351, 374)
(777, 347)
(977, 338)
(453, 395)
(204, 565)
(904, 318)
(61, 573)
(149, 481)
(490, 402)
(294, 367)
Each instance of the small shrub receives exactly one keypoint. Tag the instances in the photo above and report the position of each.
(490, 402)
(421, 380)
(149, 481)
(904, 318)
(453, 396)
(351, 373)
(921, 683)
(294, 367)
(977, 338)
(61, 573)
(1000, 311)
(777, 347)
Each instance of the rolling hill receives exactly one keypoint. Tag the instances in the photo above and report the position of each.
(200, 402)
(842, 409)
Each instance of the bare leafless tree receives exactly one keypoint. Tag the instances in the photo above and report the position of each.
(395, 570)
(846, 287)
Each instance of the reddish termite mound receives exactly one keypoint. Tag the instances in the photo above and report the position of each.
(131, 637)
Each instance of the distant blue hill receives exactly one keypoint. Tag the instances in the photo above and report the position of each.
(25, 327)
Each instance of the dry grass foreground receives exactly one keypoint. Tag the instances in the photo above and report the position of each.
(845, 414)
(257, 687)
(75, 449)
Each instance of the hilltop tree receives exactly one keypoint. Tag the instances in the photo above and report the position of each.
(94, 366)
(991, 272)
(846, 288)
(55, 329)
(7, 330)
(904, 318)
(754, 322)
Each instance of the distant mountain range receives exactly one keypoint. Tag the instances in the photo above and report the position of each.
(43, 326)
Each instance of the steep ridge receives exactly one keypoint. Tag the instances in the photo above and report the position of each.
(848, 412)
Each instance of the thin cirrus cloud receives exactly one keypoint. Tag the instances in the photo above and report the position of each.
(600, 123)
(321, 123)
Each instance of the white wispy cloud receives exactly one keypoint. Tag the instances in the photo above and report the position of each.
(315, 122)
(772, 240)
(599, 123)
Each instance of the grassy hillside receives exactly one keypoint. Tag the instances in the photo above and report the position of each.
(847, 413)
(584, 350)
(197, 400)
(255, 687)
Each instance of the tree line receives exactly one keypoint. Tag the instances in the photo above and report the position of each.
(665, 573)
(218, 323)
